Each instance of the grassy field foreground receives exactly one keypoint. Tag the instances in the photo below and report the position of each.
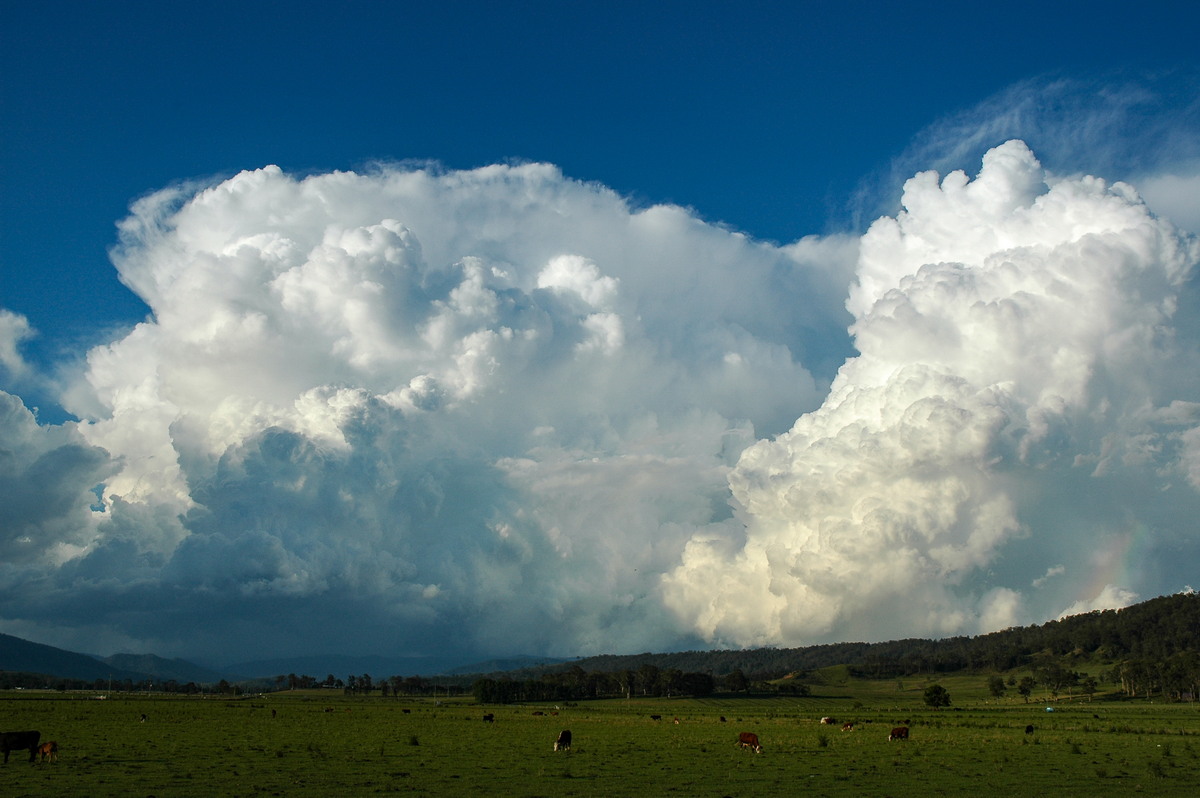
(327, 745)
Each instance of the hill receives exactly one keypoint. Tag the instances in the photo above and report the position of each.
(28, 657)
(339, 666)
(1157, 629)
(164, 670)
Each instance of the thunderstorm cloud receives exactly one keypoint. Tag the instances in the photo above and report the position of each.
(502, 411)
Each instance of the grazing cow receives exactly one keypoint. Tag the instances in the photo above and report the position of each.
(656, 717)
(847, 727)
(272, 713)
(676, 721)
(19, 741)
(749, 740)
(1029, 729)
(489, 718)
(143, 720)
(48, 751)
(722, 718)
(563, 743)
(898, 733)
(828, 721)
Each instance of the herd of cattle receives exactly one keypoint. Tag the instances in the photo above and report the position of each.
(745, 739)
(31, 740)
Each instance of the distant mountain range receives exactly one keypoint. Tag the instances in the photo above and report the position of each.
(179, 670)
(25, 656)
(340, 666)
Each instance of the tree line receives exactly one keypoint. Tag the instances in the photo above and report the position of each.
(648, 680)
(1153, 631)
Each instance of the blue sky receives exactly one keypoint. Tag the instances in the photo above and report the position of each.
(762, 116)
(666, 130)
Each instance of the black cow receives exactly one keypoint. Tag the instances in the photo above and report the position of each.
(563, 743)
(489, 718)
(1029, 729)
(19, 741)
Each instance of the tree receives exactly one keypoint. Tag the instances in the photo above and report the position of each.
(1055, 677)
(936, 696)
(1025, 687)
(647, 677)
(698, 684)
(736, 681)
(996, 686)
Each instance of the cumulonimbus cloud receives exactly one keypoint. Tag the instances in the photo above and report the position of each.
(500, 410)
(1020, 400)
(497, 401)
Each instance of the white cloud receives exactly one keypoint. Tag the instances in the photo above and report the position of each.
(1110, 598)
(1051, 572)
(47, 474)
(1016, 345)
(497, 401)
(1174, 196)
(14, 328)
(375, 407)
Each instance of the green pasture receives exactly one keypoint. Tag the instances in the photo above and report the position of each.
(332, 745)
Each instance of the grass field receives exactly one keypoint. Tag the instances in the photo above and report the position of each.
(332, 745)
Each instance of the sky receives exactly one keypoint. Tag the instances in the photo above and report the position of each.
(480, 329)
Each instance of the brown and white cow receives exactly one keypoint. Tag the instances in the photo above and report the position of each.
(749, 740)
(828, 721)
(898, 733)
(847, 727)
(48, 751)
(19, 741)
(563, 743)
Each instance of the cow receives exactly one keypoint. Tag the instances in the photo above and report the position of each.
(1029, 729)
(563, 743)
(48, 751)
(489, 718)
(19, 741)
(538, 713)
(656, 717)
(828, 721)
(749, 740)
(847, 727)
(898, 733)
(722, 718)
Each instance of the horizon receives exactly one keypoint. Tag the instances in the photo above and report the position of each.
(471, 332)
